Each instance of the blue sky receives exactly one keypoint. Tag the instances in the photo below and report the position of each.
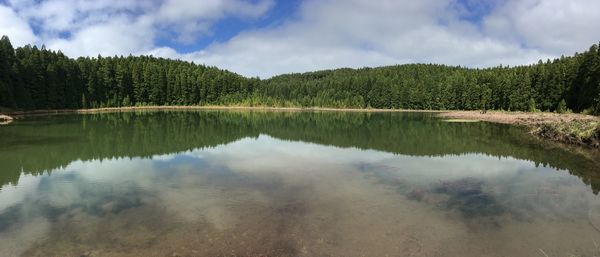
(269, 37)
(227, 28)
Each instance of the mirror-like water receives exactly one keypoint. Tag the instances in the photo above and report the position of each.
(217, 183)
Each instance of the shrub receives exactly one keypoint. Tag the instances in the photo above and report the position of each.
(562, 107)
(126, 102)
(588, 111)
(596, 110)
(531, 106)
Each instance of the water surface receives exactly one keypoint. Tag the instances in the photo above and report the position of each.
(223, 183)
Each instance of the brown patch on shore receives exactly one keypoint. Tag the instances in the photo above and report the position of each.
(5, 119)
(571, 128)
(518, 118)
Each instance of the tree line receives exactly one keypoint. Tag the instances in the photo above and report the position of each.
(34, 78)
(37, 78)
(553, 85)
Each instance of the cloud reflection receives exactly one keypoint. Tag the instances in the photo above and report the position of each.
(228, 187)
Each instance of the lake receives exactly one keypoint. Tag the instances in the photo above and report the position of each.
(254, 183)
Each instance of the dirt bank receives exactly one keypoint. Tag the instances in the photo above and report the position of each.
(570, 128)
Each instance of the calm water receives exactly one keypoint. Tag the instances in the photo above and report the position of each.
(217, 183)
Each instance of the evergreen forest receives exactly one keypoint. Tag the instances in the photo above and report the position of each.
(33, 78)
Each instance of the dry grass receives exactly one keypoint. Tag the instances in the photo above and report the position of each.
(574, 132)
(569, 128)
(519, 118)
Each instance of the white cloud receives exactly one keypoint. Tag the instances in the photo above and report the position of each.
(354, 33)
(89, 28)
(322, 34)
(184, 10)
(554, 26)
(15, 28)
(54, 16)
(192, 18)
(120, 36)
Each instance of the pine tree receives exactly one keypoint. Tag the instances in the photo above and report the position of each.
(7, 56)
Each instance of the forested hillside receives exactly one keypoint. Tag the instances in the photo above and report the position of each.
(543, 86)
(33, 78)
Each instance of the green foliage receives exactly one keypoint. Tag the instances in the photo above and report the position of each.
(531, 107)
(84, 103)
(426, 86)
(486, 97)
(596, 106)
(562, 107)
(126, 102)
(588, 111)
(32, 78)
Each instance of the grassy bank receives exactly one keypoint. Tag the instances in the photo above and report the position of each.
(575, 132)
(578, 129)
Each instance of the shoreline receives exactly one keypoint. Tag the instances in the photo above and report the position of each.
(18, 114)
(5, 119)
(518, 118)
(571, 128)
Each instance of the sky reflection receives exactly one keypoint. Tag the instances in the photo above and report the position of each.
(264, 180)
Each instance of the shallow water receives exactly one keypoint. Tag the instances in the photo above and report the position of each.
(219, 183)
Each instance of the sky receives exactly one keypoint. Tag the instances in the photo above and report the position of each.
(270, 37)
